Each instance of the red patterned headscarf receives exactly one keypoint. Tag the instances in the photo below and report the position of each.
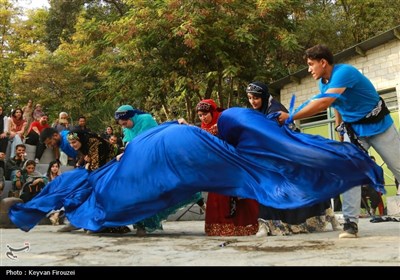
(208, 105)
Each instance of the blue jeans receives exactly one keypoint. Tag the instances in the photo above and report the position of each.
(387, 145)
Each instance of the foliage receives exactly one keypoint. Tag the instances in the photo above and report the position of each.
(87, 57)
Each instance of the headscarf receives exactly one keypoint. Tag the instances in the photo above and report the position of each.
(209, 106)
(142, 121)
(82, 137)
(260, 89)
(18, 122)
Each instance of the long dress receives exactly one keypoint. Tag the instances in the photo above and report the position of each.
(227, 215)
(274, 166)
(220, 221)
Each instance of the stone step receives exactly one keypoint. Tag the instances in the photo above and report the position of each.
(47, 157)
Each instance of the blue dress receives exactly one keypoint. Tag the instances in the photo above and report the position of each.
(169, 163)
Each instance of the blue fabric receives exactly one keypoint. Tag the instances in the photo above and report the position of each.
(169, 163)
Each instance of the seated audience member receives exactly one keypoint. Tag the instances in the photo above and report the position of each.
(16, 129)
(3, 131)
(16, 163)
(28, 181)
(81, 125)
(108, 133)
(37, 112)
(62, 122)
(33, 136)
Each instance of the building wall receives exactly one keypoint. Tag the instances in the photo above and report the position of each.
(381, 65)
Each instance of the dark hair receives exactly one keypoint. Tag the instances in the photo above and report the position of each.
(47, 133)
(319, 52)
(15, 111)
(20, 145)
(259, 89)
(48, 173)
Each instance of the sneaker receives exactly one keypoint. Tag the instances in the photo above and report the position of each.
(262, 229)
(350, 230)
(36, 160)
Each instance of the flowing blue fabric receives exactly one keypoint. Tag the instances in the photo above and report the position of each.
(256, 158)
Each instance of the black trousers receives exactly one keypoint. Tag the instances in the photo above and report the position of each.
(3, 144)
(33, 139)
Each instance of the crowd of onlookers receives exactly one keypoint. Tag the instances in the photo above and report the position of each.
(23, 127)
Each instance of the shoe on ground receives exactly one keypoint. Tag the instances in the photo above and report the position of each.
(262, 230)
(350, 230)
(67, 228)
(202, 209)
(141, 232)
(54, 219)
(36, 160)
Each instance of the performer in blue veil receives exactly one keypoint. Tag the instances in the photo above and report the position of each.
(275, 166)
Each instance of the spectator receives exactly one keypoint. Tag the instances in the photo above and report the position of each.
(28, 181)
(3, 131)
(27, 112)
(17, 162)
(81, 125)
(16, 128)
(37, 112)
(33, 136)
(62, 122)
(108, 133)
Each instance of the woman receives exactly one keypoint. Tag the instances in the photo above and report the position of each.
(93, 152)
(107, 133)
(53, 171)
(134, 122)
(225, 215)
(16, 128)
(160, 170)
(274, 221)
(29, 181)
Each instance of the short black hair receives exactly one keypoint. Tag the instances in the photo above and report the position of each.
(47, 133)
(319, 52)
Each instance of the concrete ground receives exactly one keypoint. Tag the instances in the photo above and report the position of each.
(183, 243)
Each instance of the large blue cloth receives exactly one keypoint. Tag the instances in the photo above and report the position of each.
(256, 158)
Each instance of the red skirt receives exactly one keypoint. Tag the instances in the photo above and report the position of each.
(219, 222)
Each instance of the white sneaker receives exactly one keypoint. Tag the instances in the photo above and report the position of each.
(36, 160)
(262, 230)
